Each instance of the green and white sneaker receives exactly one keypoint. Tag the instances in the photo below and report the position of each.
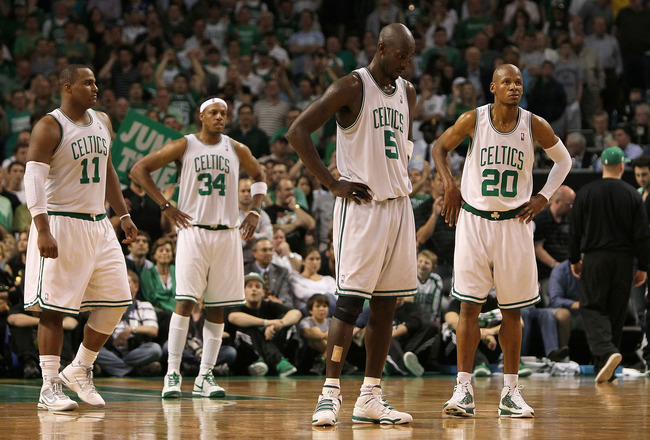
(258, 368)
(512, 403)
(412, 364)
(482, 370)
(461, 403)
(372, 408)
(327, 408)
(285, 368)
(172, 386)
(206, 386)
(524, 370)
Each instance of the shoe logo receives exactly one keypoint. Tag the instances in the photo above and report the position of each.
(507, 401)
(48, 397)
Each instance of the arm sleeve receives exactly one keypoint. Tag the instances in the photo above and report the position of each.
(35, 176)
(559, 154)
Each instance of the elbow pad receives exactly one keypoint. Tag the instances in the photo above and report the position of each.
(559, 154)
(35, 176)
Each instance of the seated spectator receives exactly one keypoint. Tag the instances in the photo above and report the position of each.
(429, 294)
(542, 320)
(283, 256)
(313, 329)
(263, 332)
(15, 177)
(564, 300)
(277, 286)
(136, 259)
(16, 263)
(248, 133)
(158, 283)
(309, 281)
(131, 348)
(412, 343)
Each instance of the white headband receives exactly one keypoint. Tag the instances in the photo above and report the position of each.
(212, 101)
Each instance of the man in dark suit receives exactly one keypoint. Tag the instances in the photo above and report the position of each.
(276, 278)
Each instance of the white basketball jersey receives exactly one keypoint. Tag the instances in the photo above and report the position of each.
(375, 149)
(498, 170)
(209, 181)
(77, 178)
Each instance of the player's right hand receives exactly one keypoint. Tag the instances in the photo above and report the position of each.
(47, 245)
(451, 205)
(357, 192)
(179, 218)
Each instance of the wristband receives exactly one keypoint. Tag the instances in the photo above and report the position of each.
(165, 206)
(122, 217)
(266, 323)
(258, 188)
(254, 213)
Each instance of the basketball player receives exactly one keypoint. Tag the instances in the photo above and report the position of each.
(74, 260)
(374, 228)
(494, 236)
(209, 253)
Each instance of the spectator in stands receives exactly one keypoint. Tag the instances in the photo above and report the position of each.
(263, 332)
(248, 133)
(158, 283)
(15, 118)
(264, 227)
(470, 26)
(429, 294)
(121, 71)
(277, 287)
(576, 144)
(548, 99)
(314, 329)
(14, 178)
(73, 46)
(136, 259)
(304, 42)
(131, 348)
(20, 150)
(309, 281)
(564, 300)
(608, 50)
(270, 111)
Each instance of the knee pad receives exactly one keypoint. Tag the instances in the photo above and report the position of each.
(348, 309)
(104, 320)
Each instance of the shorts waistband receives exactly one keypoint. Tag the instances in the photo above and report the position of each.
(492, 215)
(213, 227)
(80, 216)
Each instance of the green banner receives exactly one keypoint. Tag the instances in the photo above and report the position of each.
(139, 135)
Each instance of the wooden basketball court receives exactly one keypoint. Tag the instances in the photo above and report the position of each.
(565, 408)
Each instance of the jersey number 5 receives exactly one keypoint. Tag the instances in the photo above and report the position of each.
(491, 187)
(391, 146)
(219, 184)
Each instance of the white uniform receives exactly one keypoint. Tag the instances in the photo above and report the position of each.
(492, 247)
(90, 270)
(209, 254)
(375, 242)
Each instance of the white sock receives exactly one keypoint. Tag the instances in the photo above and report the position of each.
(178, 327)
(510, 380)
(332, 386)
(369, 383)
(50, 365)
(212, 333)
(463, 377)
(84, 357)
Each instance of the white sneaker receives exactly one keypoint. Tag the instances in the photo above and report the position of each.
(79, 378)
(372, 408)
(53, 398)
(206, 386)
(258, 368)
(172, 386)
(512, 403)
(412, 364)
(461, 403)
(327, 408)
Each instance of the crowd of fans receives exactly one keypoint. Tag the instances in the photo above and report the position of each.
(585, 68)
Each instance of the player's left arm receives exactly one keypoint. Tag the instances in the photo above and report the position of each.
(412, 97)
(114, 192)
(553, 146)
(255, 171)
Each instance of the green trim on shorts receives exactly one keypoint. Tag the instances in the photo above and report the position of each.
(186, 298)
(521, 304)
(338, 260)
(355, 294)
(491, 215)
(124, 302)
(213, 227)
(466, 298)
(224, 303)
(78, 215)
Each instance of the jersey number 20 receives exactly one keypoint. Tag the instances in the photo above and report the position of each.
(491, 187)
(219, 184)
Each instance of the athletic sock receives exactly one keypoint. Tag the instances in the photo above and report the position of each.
(212, 334)
(178, 327)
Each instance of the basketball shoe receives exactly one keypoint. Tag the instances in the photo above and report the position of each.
(608, 369)
(172, 386)
(372, 408)
(79, 378)
(206, 386)
(327, 408)
(461, 403)
(53, 398)
(512, 403)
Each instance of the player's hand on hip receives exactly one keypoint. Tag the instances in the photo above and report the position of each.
(178, 217)
(130, 230)
(451, 205)
(357, 192)
(249, 225)
(47, 245)
(531, 208)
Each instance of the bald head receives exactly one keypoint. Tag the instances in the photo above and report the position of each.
(505, 69)
(396, 34)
